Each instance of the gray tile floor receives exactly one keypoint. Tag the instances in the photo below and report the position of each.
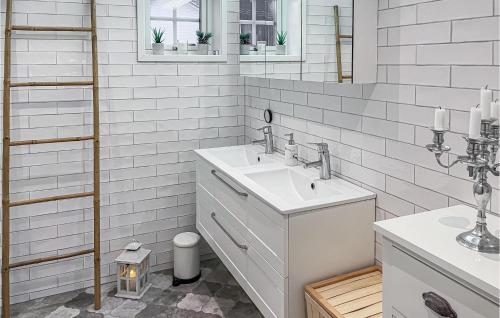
(215, 295)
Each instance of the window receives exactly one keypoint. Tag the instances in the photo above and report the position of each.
(258, 17)
(179, 18)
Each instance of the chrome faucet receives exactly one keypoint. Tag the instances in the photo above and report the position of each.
(324, 161)
(268, 139)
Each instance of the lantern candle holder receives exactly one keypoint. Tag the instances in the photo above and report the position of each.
(132, 271)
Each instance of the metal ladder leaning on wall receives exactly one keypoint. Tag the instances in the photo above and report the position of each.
(338, 37)
(7, 143)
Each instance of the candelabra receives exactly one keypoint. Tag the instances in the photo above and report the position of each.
(480, 159)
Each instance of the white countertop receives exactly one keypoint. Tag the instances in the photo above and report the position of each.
(432, 235)
(347, 192)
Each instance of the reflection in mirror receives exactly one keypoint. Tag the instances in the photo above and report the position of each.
(270, 38)
(181, 28)
(328, 56)
(324, 40)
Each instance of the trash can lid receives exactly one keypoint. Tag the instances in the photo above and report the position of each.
(186, 239)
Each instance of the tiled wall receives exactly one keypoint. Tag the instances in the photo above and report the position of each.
(152, 117)
(431, 54)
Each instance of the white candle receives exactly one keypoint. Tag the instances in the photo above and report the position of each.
(495, 110)
(475, 123)
(439, 119)
(486, 98)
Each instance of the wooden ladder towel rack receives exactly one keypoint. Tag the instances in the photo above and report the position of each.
(338, 37)
(7, 143)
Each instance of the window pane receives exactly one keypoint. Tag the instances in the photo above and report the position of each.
(186, 31)
(266, 10)
(245, 10)
(190, 10)
(266, 33)
(160, 8)
(245, 28)
(167, 26)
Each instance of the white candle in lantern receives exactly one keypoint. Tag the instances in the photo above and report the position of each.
(475, 123)
(495, 110)
(439, 119)
(486, 98)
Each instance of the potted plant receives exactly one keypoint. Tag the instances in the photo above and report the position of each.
(203, 38)
(281, 43)
(158, 38)
(245, 41)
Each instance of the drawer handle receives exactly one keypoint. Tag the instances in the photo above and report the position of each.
(439, 305)
(243, 194)
(243, 247)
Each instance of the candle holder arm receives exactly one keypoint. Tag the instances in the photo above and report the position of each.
(438, 159)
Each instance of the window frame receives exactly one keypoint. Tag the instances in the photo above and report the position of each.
(175, 20)
(212, 14)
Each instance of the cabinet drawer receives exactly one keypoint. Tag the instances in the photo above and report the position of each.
(226, 230)
(223, 189)
(408, 279)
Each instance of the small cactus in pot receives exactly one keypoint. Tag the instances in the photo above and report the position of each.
(281, 43)
(203, 38)
(158, 38)
(245, 43)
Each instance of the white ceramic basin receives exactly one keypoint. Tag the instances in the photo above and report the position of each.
(286, 189)
(242, 156)
(291, 185)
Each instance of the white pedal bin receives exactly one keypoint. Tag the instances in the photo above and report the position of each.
(186, 258)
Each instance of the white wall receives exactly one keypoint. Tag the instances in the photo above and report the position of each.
(431, 54)
(152, 117)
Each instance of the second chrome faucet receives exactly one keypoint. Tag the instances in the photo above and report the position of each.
(324, 161)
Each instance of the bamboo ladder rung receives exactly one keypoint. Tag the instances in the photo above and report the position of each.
(36, 84)
(49, 141)
(51, 258)
(344, 36)
(52, 198)
(49, 28)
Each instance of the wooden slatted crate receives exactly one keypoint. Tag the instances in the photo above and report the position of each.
(353, 295)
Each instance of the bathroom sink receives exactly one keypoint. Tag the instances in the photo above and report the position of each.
(293, 186)
(242, 156)
(284, 188)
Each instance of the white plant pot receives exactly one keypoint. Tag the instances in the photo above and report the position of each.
(280, 49)
(202, 49)
(245, 49)
(158, 48)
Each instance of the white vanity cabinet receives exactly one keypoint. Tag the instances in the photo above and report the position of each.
(274, 254)
(422, 261)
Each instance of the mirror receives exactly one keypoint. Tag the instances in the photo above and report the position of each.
(271, 38)
(324, 41)
(181, 30)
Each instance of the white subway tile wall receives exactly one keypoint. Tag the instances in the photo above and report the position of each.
(431, 53)
(152, 117)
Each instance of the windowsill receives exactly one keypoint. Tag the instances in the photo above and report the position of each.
(190, 57)
(269, 58)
